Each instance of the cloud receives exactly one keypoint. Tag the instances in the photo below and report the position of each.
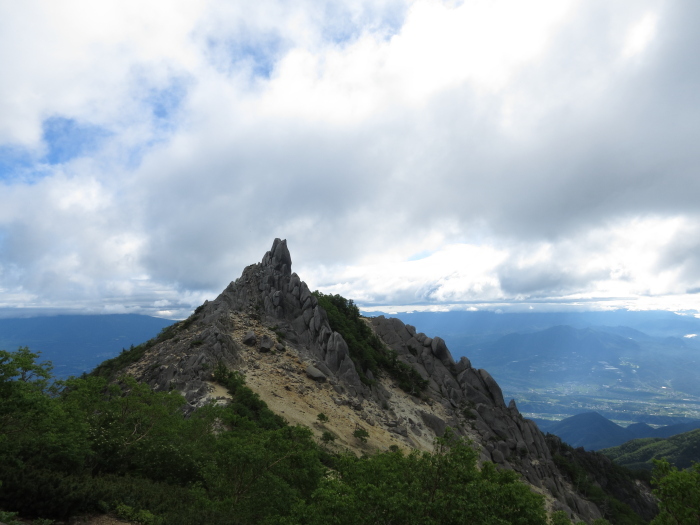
(539, 152)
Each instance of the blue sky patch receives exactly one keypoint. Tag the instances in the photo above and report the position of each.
(166, 102)
(66, 139)
(258, 53)
(260, 59)
(14, 161)
(341, 28)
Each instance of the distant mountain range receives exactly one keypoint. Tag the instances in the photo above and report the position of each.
(460, 327)
(628, 366)
(78, 343)
(599, 355)
(594, 431)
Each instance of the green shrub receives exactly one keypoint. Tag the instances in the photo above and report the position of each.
(678, 492)
(366, 349)
(361, 434)
(8, 518)
(143, 517)
(440, 488)
(559, 517)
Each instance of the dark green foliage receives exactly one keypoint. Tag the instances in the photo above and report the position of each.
(322, 418)
(680, 450)
(678, 492)
(246, 407)
(559, 518)
(8, 518)
(23, 385)
(610, 486)
(85, 445)
(361, 435)
(366, 349)
(143, 517)
(327, 436)
(443, 488)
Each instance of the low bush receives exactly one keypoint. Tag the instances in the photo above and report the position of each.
(366, 349)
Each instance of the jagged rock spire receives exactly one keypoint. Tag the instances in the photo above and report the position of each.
(278, 257)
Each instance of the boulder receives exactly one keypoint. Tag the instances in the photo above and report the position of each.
(249, 338)
(266, 344)
(434, 423)
(315, 374)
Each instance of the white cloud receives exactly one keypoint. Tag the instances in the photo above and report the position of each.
(503, 146)
(640, 35)
(439, 47)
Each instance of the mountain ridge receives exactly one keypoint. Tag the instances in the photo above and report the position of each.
(593, 431)
(268, 326)
(681, 450)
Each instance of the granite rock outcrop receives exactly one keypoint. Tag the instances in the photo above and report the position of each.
(269, 313)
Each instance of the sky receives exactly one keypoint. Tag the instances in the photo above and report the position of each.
(416, 155)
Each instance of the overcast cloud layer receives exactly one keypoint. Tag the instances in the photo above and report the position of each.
(415, 154)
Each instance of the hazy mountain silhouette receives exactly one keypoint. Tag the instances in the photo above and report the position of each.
(77, 343)
(594, 431)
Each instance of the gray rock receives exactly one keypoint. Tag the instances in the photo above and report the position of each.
(320, 365)
(462, 365)
(434, 423)
(336, 351)
(249, 338)
(502, 428)
(439, 347)
(492, 387)
(497, 457)
(266, 344)
(315, 374)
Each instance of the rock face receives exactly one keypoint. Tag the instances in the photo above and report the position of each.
(476, 409)
(270, 313)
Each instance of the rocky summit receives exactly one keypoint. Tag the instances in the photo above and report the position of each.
(270, 327)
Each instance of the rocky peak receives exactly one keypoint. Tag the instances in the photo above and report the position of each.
(268, 325)
(278, 257)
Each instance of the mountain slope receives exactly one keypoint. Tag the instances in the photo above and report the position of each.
(268, 326)
(594, 431)
(591, 431)
(680, 450)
